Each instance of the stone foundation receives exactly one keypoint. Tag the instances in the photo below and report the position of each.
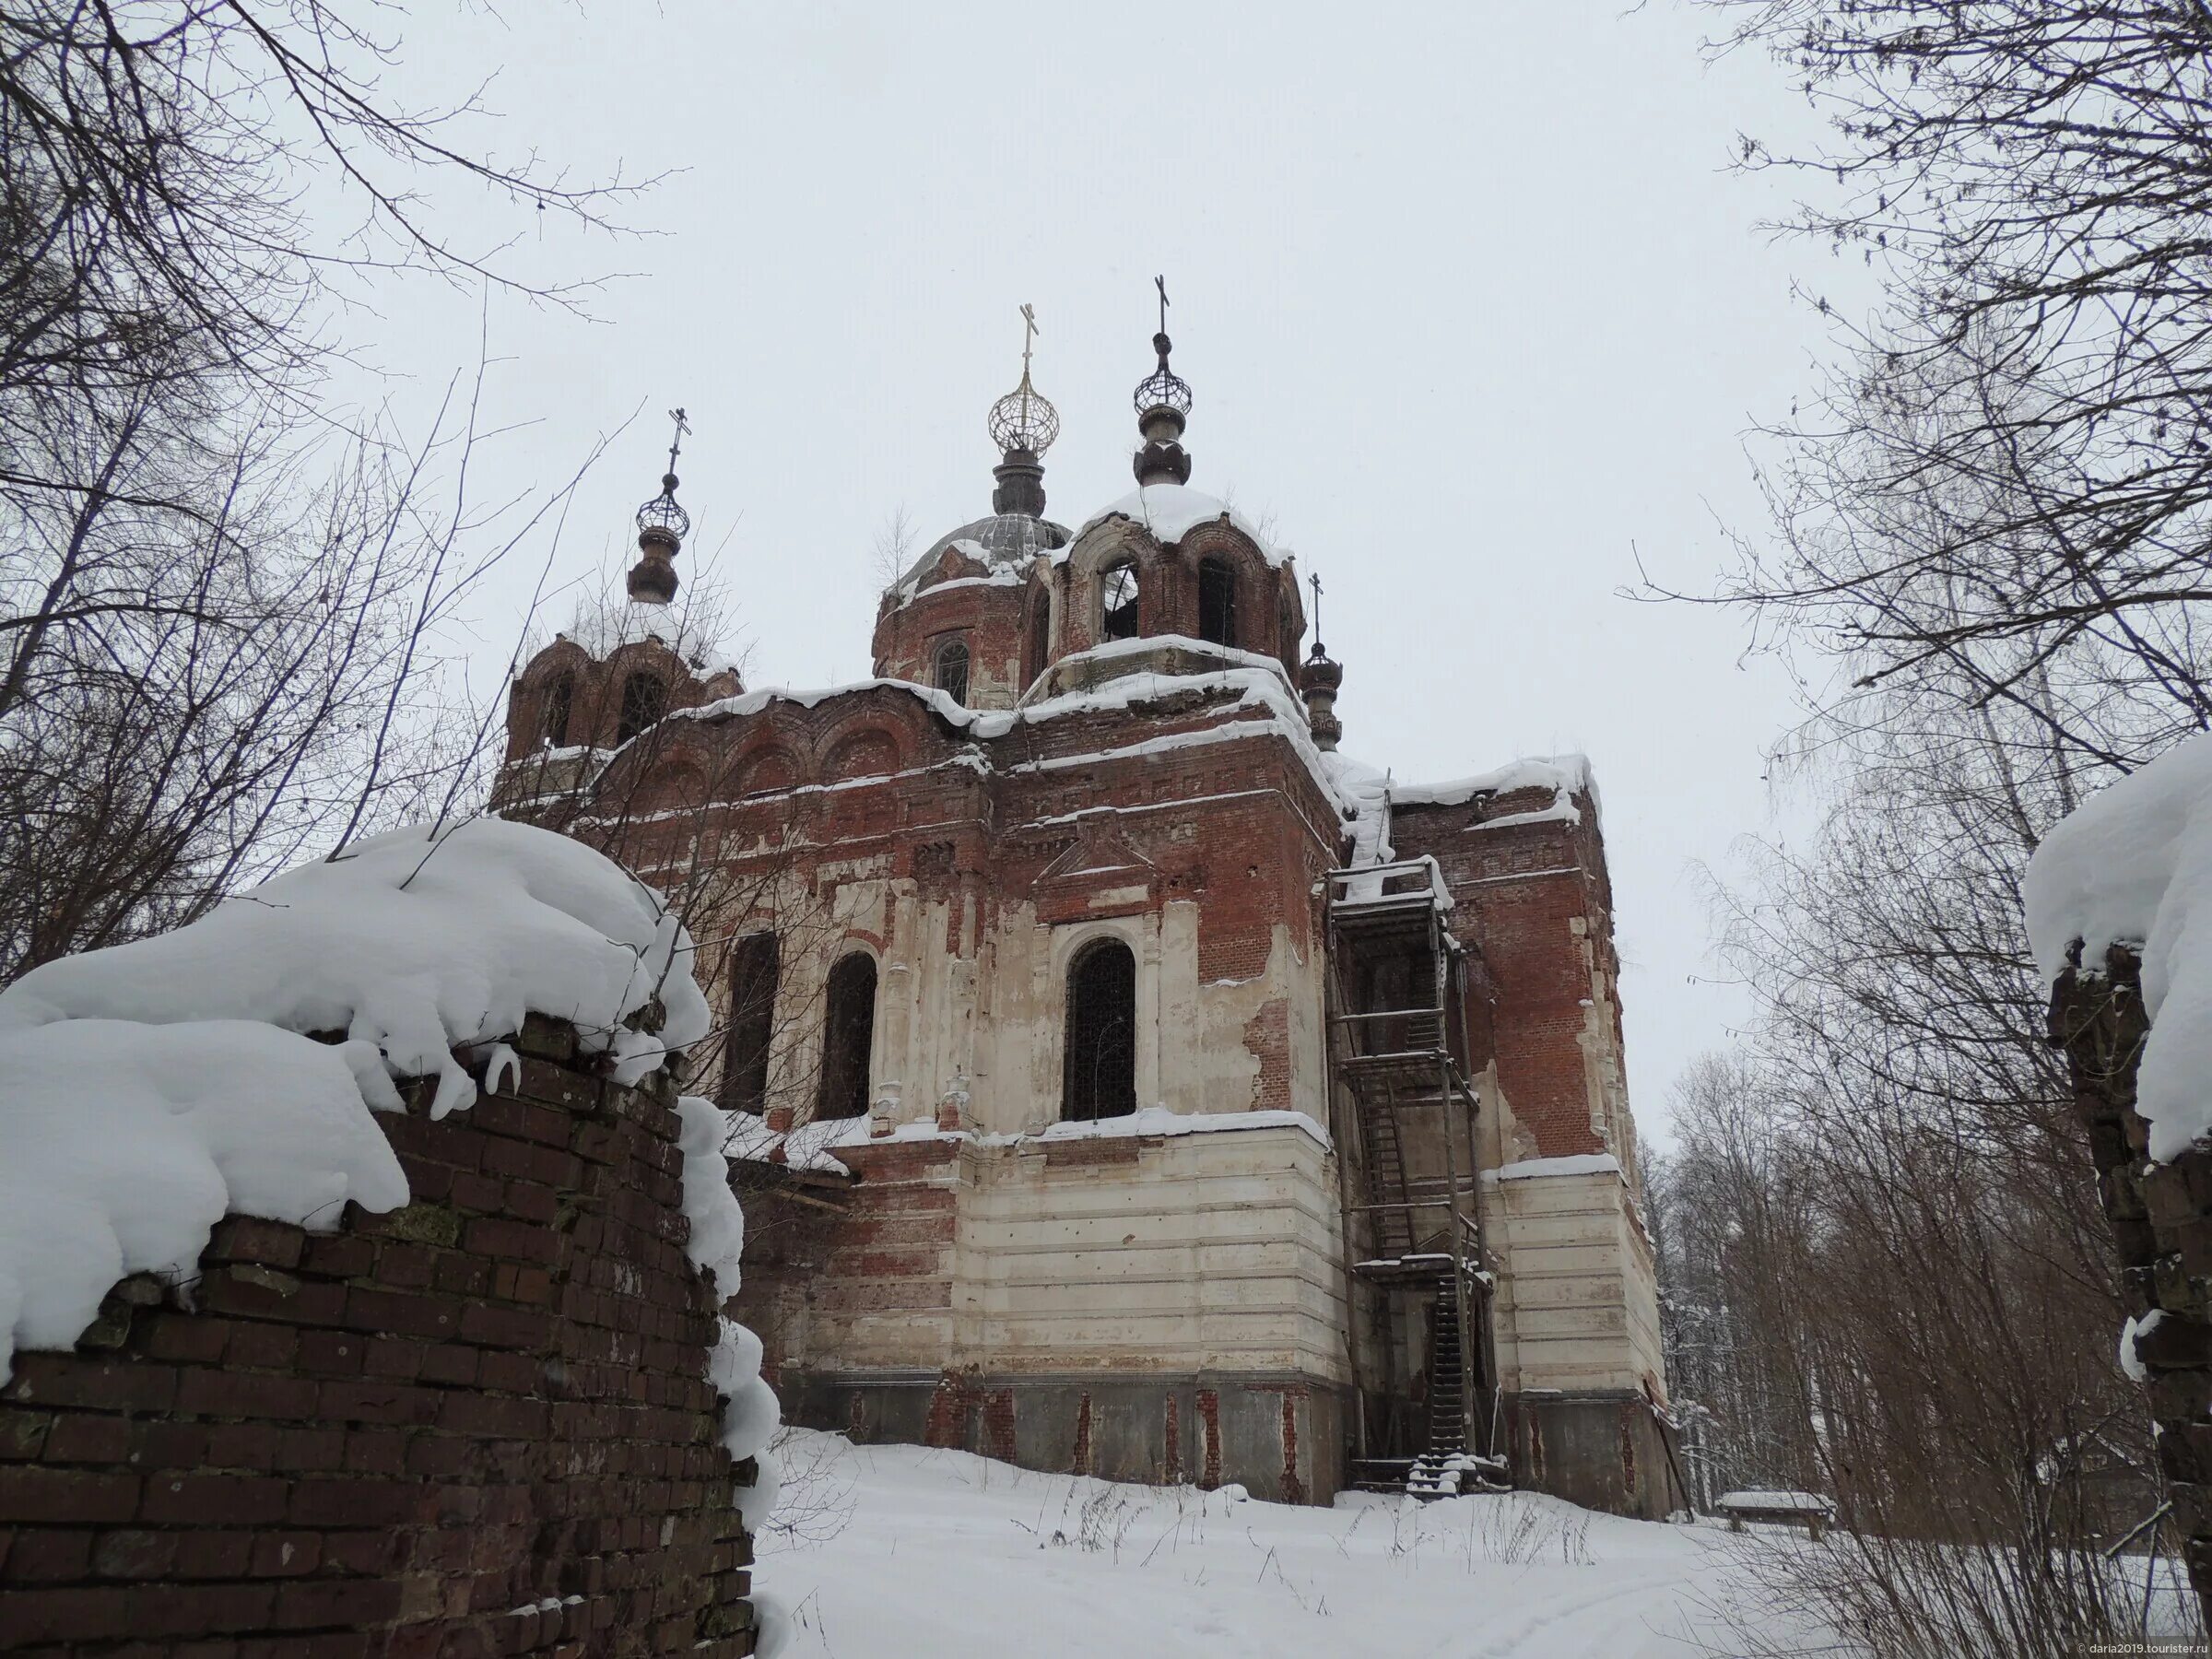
(1281, 1439)
(1603, 1450)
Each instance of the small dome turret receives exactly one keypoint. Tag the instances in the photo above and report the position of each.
(662, 526)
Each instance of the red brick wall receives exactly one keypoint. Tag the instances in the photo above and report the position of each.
(400, 1437)
(1521, 889)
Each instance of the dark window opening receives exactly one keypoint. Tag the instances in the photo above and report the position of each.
(560, 702)
(645, 700)
(754, 964)
(952, 670)
(1403, 987)
(1100, 1079)
(1041, 621)
(1118, 595)
(848, 1035)
(1216, 602)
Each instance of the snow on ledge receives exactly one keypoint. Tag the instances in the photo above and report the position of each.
(2132, 865)
(1534, 1169)
(814, 1145)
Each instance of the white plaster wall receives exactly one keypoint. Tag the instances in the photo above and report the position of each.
(1577, 1304)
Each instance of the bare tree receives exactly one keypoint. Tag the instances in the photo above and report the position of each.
(2009, 477)
(222, 612)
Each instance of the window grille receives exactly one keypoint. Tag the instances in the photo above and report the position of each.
(1040, 647)
(1216, 602)
(1100, 1079)
(848, 1035)
(754, 970)
(645, 700)
(560, 702)
(952, 670)
(1118, 596)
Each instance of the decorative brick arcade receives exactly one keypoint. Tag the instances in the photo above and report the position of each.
(477, 1425)
(2161, 1218)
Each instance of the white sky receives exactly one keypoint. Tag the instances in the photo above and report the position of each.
(1469, 301)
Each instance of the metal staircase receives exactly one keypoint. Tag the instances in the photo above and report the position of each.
(1416, 1277)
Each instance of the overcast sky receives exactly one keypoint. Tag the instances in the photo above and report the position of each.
(1471, 305)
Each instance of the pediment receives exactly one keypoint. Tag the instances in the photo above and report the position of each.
(1100, 849)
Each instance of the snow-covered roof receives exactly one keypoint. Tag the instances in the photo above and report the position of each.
(2132, 865)
(1169, 511)
(1795, 1503)
(1565, 775)
(603, 631)
(1004, 542)
(150, 1088)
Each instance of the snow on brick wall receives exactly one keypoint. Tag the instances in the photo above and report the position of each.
(487, 1417)
(149, 1090)
(2132, 865)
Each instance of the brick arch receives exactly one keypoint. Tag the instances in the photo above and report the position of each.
(862, 748)
(1081, 622)
(767, 768)
(530, 701)
(672, 784)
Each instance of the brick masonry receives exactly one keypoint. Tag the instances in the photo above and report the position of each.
(968, 859)
(478, 1425)
(2162, 1219)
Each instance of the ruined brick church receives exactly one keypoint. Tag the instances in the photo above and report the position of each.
(1123, 1078)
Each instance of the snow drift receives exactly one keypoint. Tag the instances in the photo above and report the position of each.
(2132, 865)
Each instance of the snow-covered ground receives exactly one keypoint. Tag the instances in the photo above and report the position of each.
(917, 1552)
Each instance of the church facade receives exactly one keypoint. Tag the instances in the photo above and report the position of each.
(1120, 1078)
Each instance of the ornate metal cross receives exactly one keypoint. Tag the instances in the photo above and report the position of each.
(1313, 581)
(1028, 333)
(683, 431)
(1161, 284)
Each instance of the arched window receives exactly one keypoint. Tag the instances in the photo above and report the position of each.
(560, 702)
(1118, 595)
(952, 670)
(1217, 601)
(1286, 627)
(754, 961)
(1039, 646)
(1100, 1070)
(645, 700)
(848, 1036)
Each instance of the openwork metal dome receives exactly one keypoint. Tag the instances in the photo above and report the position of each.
(663, 514)
(1023, 419)
(1163, 388)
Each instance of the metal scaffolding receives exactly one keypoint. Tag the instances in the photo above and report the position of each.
(1417, 1280)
